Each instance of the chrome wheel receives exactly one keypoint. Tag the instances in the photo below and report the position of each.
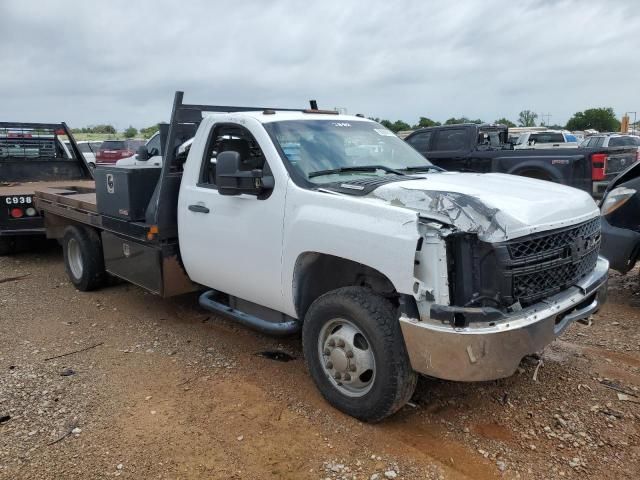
(347, 357)
(74, 257)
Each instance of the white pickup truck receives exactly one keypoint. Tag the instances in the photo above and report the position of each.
(330, 224)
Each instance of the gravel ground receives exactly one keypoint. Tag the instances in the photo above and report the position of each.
(162, 389)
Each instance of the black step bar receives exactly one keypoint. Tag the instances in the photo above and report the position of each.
(270, 328)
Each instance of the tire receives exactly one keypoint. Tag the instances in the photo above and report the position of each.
(83, 260)
(379, 387)
(7, 246)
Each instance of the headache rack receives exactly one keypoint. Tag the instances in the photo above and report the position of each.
(31, 152)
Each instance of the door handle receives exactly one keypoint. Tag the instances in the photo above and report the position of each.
(198, 208)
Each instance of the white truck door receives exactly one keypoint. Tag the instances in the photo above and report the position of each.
(231, 243)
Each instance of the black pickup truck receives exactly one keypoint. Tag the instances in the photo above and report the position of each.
(33, 155)
(485, 148)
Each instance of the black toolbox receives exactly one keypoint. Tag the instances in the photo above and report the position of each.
(124, 192)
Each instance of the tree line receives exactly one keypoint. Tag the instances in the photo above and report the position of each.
(601, 119)
(129, 132)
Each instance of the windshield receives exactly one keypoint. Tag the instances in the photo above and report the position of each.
(317, 148)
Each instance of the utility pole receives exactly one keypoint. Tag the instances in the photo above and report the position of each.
(633, 125)
(548, 115)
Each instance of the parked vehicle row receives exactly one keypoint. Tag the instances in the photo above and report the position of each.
(485, 148)
(330, 224)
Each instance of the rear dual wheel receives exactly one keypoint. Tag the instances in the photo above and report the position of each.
(356, 355)
(83, 258)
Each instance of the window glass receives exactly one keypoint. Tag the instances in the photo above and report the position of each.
(597, 142)
(546, 137)
(154, 144)
(624, 142)
(113, 145)
(28, 147)
(420, 141)
(319, 149)
(450, 139)
(230, 137)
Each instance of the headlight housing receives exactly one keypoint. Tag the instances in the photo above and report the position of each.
(615, 199)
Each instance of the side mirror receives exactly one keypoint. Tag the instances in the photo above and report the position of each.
(231, 180)
(143, 153)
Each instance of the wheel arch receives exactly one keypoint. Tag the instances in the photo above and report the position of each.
(537, 171)
(317, 273)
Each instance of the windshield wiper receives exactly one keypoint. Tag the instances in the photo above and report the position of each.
(423, 168)
(363, 168)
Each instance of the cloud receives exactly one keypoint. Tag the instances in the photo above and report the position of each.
(120, 61)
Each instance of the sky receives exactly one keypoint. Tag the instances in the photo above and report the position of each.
(119, 62)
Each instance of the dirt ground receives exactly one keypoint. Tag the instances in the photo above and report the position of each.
(167, 390)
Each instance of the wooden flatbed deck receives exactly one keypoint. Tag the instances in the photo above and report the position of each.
(28, 188)
(77, 202)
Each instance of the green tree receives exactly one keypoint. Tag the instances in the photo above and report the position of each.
(130, 132)
(149, 131)
(425, 122)
(527, 118)
(456, 121)
(393, 126)
(601, 119)
(505, 121)
(399, 125)
(103, 129)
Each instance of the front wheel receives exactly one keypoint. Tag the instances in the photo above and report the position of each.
(83, 258)
(356, 355)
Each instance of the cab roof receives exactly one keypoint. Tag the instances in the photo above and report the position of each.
(270, 116)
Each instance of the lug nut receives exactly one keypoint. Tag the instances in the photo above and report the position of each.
(347, 377)
(337, 376)
(332, 343)
(353, 368)
(349, 353)
(329, 365)
(341, 343)
(327, 351)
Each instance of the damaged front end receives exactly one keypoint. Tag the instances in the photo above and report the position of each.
(485, 305)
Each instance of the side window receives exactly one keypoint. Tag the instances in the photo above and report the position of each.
(598, 142)
(420, 141)
(450, 139)
(230, 137)
(154, 147)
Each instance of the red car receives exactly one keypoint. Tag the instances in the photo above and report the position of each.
(113, 150)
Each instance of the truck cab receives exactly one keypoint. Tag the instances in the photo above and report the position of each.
(305, 220)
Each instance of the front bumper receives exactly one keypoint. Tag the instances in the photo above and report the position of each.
(493, 349)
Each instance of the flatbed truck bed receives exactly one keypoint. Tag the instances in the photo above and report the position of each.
(157, 267)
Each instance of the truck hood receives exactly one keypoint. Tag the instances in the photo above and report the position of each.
(495, 206)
